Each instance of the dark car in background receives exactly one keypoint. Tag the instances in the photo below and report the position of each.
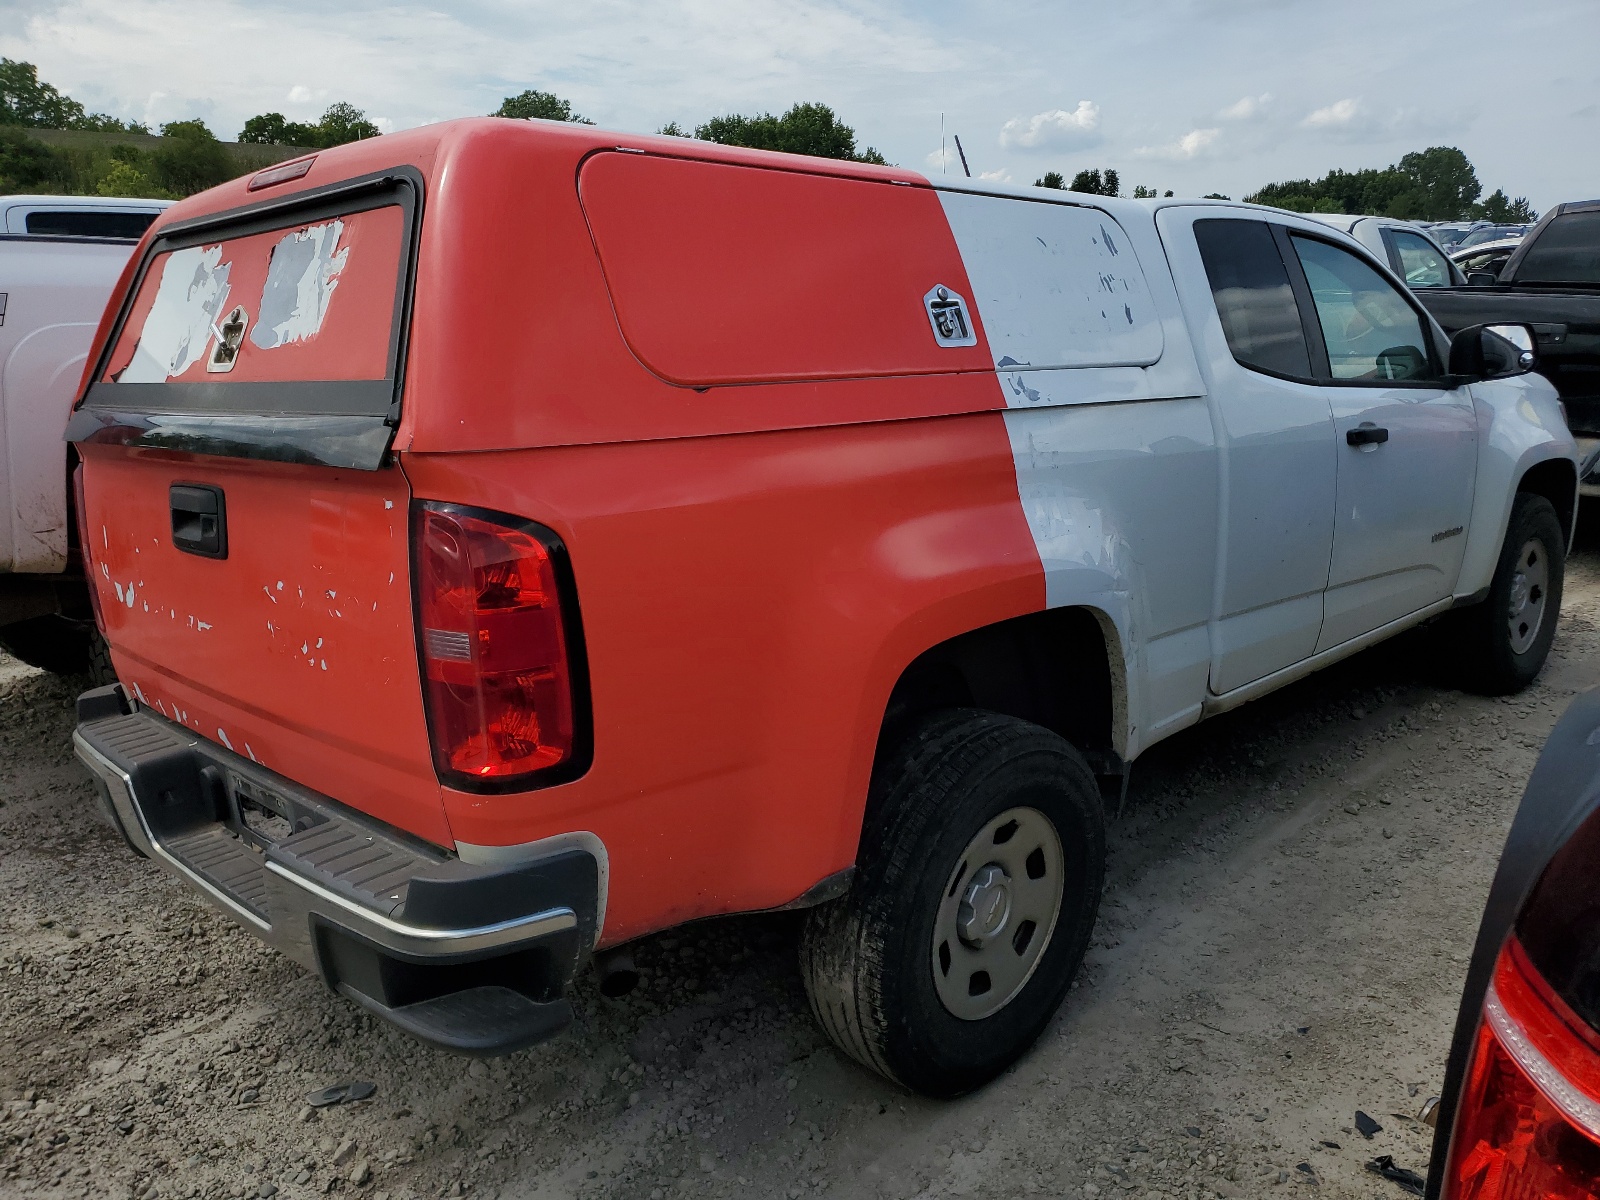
(1491, 233)
(1550, 282)
(1520, 1113)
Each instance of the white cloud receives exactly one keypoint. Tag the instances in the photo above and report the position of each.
(1000, 176)
(1338, 115)
(1055, 129)
(1190, 145)
(944, 159)
(1246, 108)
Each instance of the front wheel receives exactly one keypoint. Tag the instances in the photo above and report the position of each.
(1501, 643)
(976, 890)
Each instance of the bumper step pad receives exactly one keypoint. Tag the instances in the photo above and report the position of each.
(473, 959)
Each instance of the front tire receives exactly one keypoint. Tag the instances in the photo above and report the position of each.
(1501, 644)
(976, 890)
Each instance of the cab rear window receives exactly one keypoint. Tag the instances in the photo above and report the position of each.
(312, 301)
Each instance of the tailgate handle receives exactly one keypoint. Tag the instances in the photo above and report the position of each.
(199, 520)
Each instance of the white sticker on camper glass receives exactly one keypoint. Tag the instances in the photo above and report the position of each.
(192, 293)
(301, 277)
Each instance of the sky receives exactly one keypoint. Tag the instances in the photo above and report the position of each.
(1196, 96)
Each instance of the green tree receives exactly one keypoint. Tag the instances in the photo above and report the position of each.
(271, 129)
(344, 123)
(545, 106)
(1095, 183)
(805, 129)
(1443, 185)
(1215, 196)
(27, 164)
(125, 179)
(673, 129)
(26, 100)
(1051, 179)
(1502, 210)
(1436, 184)
(189, 159)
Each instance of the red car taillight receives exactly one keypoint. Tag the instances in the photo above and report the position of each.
(1528, 1125)
(500, 653)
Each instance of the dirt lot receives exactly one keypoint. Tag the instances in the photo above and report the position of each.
(1291, 900)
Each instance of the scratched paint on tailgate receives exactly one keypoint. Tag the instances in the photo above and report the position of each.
(297, 650)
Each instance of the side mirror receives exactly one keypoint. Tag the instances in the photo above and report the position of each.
(1491, 352)
(1482, 278)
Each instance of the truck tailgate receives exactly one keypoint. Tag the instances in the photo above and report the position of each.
(243, 523)
(298, 649)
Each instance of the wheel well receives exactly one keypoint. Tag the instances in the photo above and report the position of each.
(1051, 668)
(1557, 481)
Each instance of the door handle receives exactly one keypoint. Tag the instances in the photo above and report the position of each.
(199, 519)
(1366, 434)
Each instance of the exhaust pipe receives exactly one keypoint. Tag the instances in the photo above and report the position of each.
(618, 975)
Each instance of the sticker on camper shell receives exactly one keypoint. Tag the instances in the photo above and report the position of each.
(947, 313)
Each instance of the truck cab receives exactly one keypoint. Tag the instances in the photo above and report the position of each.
(60, 257)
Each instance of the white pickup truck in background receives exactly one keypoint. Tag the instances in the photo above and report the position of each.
(59, 257)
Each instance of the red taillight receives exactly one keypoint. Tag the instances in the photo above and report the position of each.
(84, 548)
(1529, 1119)
(497, 649)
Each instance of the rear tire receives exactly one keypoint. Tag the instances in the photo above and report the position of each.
(976, 890)
(1500, 645)
(51, 643)
(61, 646)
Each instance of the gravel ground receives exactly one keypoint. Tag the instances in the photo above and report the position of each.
(1291, 900)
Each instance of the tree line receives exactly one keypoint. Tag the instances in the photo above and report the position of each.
(1436, 184)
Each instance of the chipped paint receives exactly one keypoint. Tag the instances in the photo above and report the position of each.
(302, 275)
(192, 293)
(222, 736)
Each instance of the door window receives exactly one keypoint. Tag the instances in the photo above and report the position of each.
(90, 223)
(1370, 329)
(1568, 251)
(1254, 298)
(1421, 264)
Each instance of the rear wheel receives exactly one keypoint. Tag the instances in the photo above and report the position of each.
(975, 893)
(1501, 644)
(51, 643)
(61, 646)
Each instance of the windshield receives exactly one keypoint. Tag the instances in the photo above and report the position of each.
(1494, 233)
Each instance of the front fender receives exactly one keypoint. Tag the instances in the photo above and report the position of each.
(1520, 426)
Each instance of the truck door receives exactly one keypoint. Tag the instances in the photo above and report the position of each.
(1275, 428)
(1407, 447)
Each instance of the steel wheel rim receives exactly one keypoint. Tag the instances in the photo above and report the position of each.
(1530, 586)
(997, 913)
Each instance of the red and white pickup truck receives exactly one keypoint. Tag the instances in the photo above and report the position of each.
(514, 539)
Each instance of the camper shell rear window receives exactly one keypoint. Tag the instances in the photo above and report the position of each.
(282, 324)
